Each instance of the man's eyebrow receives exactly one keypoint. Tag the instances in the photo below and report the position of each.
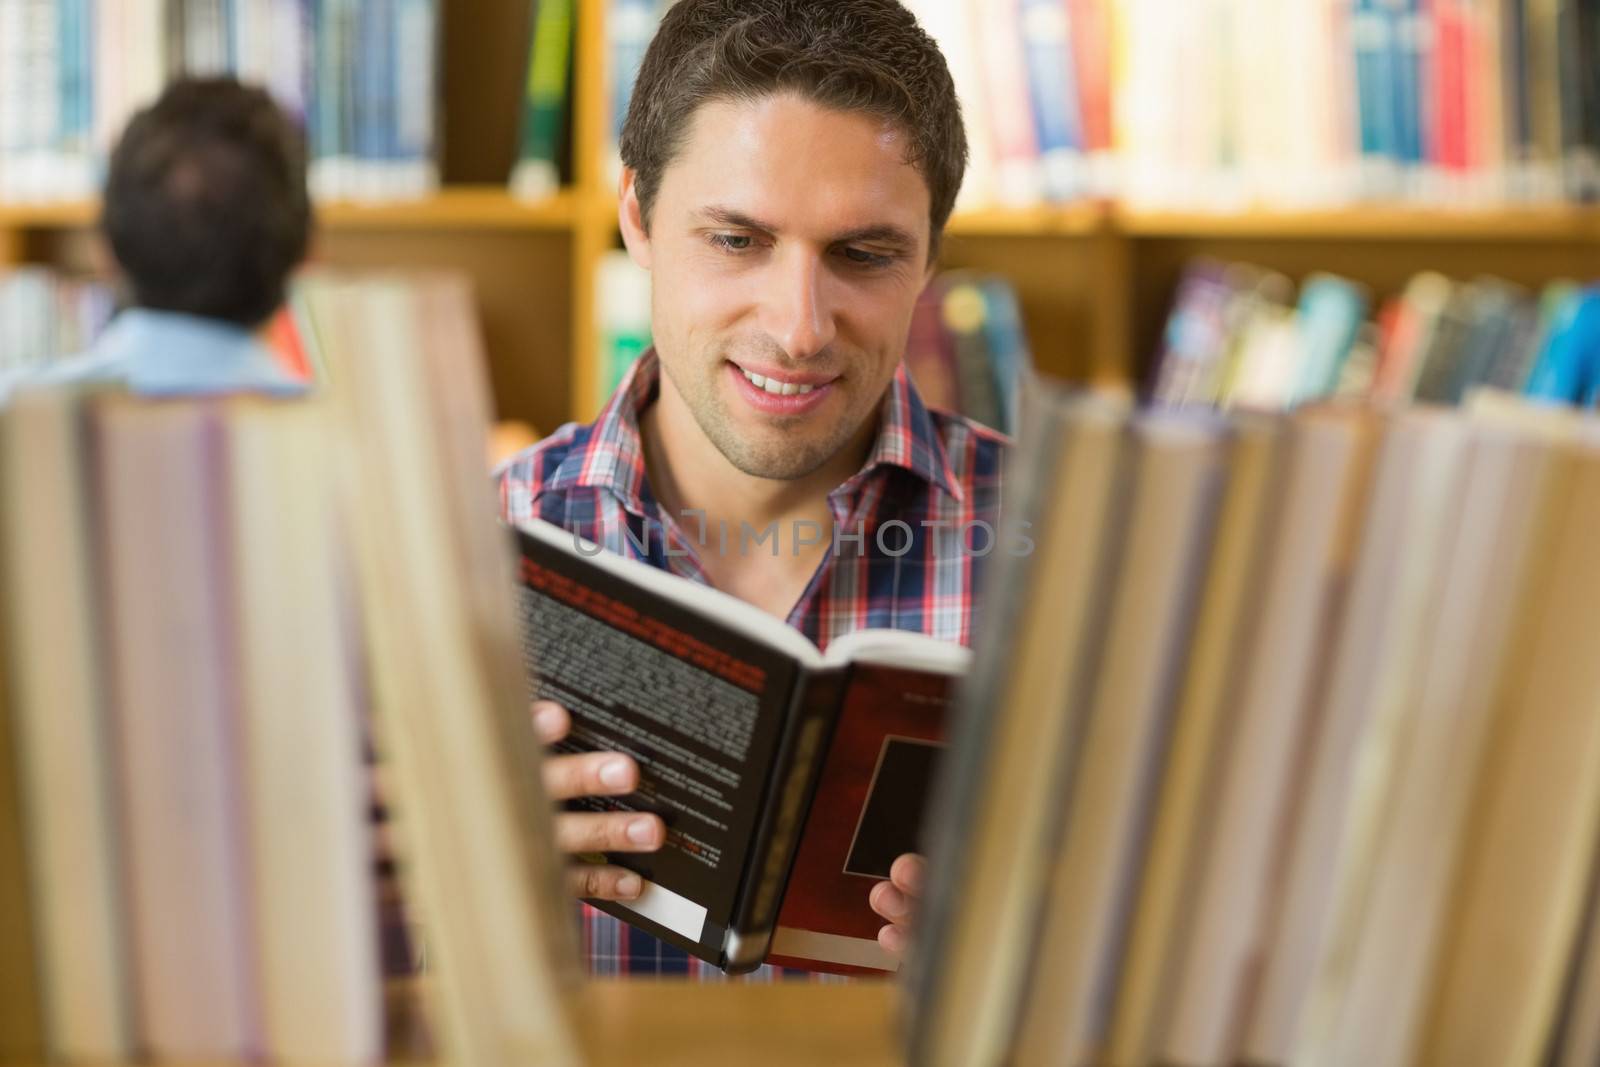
(738, 220)
(876, 234)
(881, 234)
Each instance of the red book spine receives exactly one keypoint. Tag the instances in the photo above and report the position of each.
(1091, 53)
(1449, 85)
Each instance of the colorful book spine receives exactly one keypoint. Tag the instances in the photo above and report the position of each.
(537, 172)
(1053, 89)
(629, 26)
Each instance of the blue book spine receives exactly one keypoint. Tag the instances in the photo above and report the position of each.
(374, 62)
(1008, 348)
(415, 51)
(1409, 33)
(1559, 373)
(1330, 315)
(74, 71)
(1372, 41)
(631, 25)
(1052, 90)
(323, 115)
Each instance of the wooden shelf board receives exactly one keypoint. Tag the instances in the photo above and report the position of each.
(48, 214)
(460, 207)
(1063, 220)
(1557, 223)
(491, 207)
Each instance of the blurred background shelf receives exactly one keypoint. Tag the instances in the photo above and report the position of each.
(1094, 278)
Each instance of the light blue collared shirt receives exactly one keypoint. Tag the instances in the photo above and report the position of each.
(167, 354)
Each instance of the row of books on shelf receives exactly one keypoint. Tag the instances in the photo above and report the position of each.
(1299, 104)
(205, 624)
(361, 75)
(45, 315)
(1280, 747)
(1294, 104)
(1238, 335)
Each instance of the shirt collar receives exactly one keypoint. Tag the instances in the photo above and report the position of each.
(614, 456)
(165, 353)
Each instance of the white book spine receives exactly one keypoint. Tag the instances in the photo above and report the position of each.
(175, 728)
(62, 727)
(310, 846)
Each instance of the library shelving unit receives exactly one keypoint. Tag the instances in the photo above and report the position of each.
(1095, 280)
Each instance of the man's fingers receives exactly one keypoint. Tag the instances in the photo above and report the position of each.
(594, 881)
(908, 873)
(893, 941)
(550, 721)
(889, 902)
(612, 831)
(590, 774)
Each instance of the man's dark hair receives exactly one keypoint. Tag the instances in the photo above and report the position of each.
(851, 55)
(206, 206)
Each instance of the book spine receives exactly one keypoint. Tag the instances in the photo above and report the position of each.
(41, 118)
(1449, 87)
(953, 25)
(1010, 111)
(1576, 160)
(790, 787)
(629, 26)
(1091, 56)
(328, 108)
(21, 1007)
(1372, 41)
(1053, 88)
(544, 110)
(416, 96)
(59, 712)
(1408, 36)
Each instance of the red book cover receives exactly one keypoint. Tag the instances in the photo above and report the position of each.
(867, 812)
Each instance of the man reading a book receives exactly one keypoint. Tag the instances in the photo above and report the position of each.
(789, 168)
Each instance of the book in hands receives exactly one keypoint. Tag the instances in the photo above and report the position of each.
(789, 779)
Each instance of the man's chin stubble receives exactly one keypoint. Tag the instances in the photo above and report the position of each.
(775, 462)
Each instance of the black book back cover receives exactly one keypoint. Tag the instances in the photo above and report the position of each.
(700, 705)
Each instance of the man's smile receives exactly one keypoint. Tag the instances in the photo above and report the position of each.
(775, 392)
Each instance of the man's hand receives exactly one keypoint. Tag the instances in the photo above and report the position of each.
(595, 774)
(896, 900)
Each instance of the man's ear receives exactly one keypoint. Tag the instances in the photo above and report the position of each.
(630, 220)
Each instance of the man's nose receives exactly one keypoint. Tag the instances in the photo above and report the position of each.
(799, 310)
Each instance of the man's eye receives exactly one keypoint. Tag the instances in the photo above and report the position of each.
(866, 259)
(733, 242)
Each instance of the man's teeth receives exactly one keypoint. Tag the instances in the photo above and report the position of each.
(775, 387)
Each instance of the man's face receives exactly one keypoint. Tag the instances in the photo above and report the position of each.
(787, 245)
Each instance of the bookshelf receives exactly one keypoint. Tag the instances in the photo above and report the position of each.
(1095, 279)
(723, 1025)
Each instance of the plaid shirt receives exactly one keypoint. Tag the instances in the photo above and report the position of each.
(900, 522)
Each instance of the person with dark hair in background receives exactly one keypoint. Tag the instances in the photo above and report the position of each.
(789, 167)
(206, 213)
